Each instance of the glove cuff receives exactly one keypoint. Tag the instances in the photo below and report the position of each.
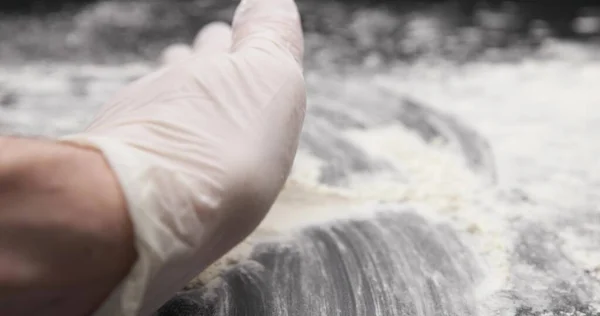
(166, 230)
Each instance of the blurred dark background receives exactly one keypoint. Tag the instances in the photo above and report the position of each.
(454, 29)
(558, 13)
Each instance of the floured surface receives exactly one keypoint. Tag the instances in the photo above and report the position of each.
(445, 227)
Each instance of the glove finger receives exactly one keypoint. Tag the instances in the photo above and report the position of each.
(268, 25)
(176, 53)
(215, 37)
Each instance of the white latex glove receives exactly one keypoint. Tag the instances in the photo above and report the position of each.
(203, 146)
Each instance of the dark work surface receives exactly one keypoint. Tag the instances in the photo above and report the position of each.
(400, 262)
(397, 264)
(393, 265)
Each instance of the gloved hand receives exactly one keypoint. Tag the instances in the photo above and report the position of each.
(203, 146)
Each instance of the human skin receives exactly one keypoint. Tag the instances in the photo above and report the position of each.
(63, 226)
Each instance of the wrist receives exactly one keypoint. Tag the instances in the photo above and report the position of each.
(65, 221)
(76, 175)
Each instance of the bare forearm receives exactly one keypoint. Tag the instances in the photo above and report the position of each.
(65, 237)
